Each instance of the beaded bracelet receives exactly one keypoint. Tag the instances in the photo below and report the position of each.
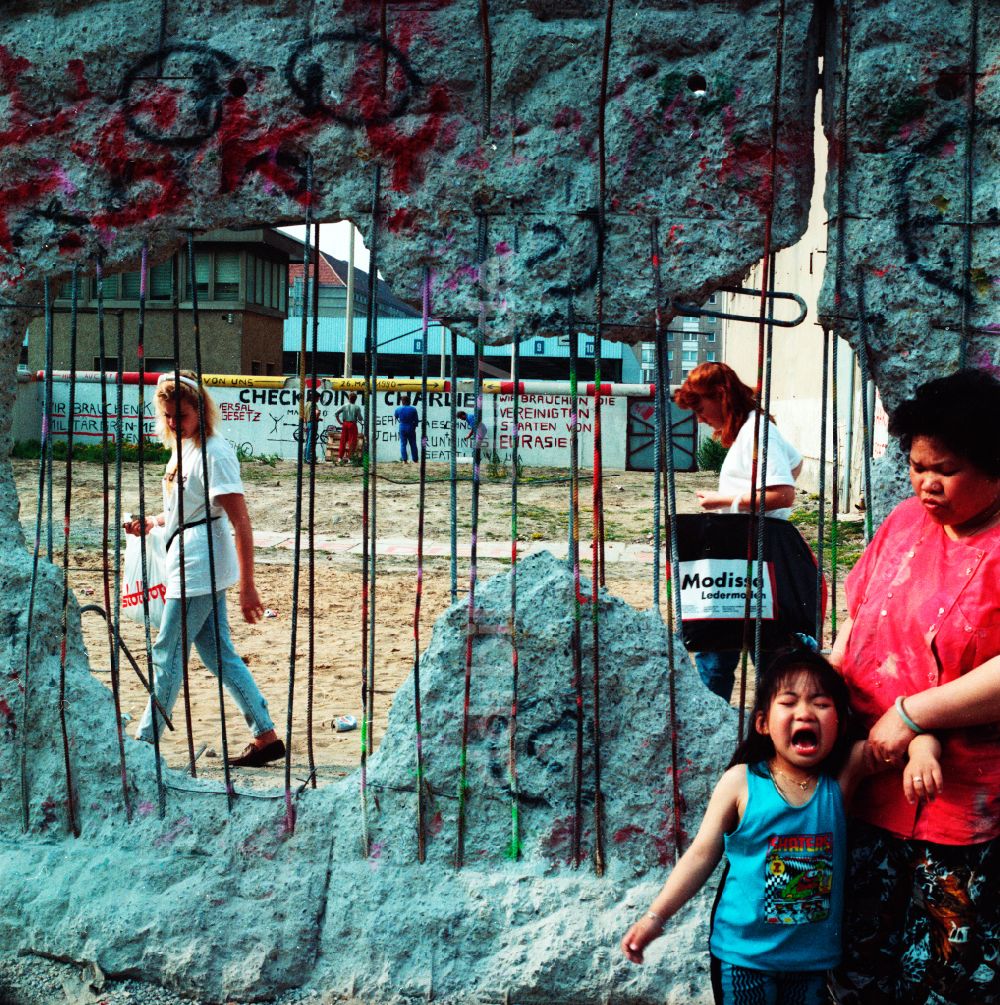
(907, 721)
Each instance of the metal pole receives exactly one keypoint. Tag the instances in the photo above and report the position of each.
(349, 308)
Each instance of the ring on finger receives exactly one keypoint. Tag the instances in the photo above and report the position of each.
(917, 780)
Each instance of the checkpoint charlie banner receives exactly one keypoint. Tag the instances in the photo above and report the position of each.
(265, 421)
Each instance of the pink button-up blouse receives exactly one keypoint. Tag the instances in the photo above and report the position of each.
(926, 610)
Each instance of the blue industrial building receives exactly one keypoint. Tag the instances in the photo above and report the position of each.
(401, 344)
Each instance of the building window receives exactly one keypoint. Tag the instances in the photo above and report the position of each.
(540, 347)
(418, 345)
(588, 348)
(648, 355)
(670, 355)
(689, 356)
(712, 300)
(256, 368)
(689, 324)
(111, 287)
(202, 271)
(227, 275)
(710, 356)
(709, 336)
(110, 364)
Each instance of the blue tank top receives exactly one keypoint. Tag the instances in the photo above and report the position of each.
(782, 898)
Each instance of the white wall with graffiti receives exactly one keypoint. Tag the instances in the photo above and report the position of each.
(265, 421)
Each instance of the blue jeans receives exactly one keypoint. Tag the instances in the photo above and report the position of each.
(718, 670)
(169, 666)
(407, 436)
(734, 985)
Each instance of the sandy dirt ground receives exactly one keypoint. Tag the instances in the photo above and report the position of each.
(271, 493)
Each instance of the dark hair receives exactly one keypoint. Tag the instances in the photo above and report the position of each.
(961, 411)
(404, 399)
(757, 747)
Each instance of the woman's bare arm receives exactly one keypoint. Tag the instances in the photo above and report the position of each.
(775, 497)
(971, 700)
(236, 509)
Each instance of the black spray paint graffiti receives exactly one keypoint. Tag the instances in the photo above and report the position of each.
(209, 76)
(306, 69)
(199, 117)
(916, 229)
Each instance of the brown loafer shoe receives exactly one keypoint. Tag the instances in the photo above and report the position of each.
(256, 757)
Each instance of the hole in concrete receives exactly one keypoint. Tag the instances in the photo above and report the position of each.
(697, 85)
(950, 84)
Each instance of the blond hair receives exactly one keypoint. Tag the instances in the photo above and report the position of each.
(169, 389)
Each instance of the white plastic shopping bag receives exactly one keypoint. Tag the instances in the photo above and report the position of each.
(156, 567)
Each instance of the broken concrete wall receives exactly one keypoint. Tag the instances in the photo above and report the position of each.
(912, 194)
(487, 136)
(225, 905)
(487, 142)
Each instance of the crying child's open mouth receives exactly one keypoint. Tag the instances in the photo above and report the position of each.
(805, 741)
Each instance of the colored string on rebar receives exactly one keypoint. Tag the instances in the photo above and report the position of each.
(657, 445)
(309, 261)
(665, 442)
(161, 792)
(866, 416)
(842, 151)
(470, 626)
(821, 518)
(835, 477)
(425, 310)
(767, 267)
(762, 496)
(43, 461)
(207, 503)
(453, 466)
(514, 849)
(968, 186)
(48, 406)
(367, 532)
(175, 320)
(374, 247)
(597, 572)
(314, 443)
(576, 647)
(111, 591)
(71, 807)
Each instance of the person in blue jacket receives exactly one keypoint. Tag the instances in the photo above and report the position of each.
(407, 419)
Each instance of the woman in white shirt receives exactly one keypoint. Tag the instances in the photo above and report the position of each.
(232, 562)
(717, 396)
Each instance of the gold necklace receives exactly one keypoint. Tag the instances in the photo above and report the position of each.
(802, 785)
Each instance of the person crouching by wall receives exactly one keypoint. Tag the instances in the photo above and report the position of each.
(178, 428)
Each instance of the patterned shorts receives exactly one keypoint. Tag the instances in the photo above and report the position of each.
(921, 922)
(733, 985)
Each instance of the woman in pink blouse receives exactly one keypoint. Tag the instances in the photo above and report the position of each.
(920, 652)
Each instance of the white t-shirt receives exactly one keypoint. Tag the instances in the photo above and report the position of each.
(782, 457)
(223, 479)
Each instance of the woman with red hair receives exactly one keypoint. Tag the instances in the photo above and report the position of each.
(717, 396)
